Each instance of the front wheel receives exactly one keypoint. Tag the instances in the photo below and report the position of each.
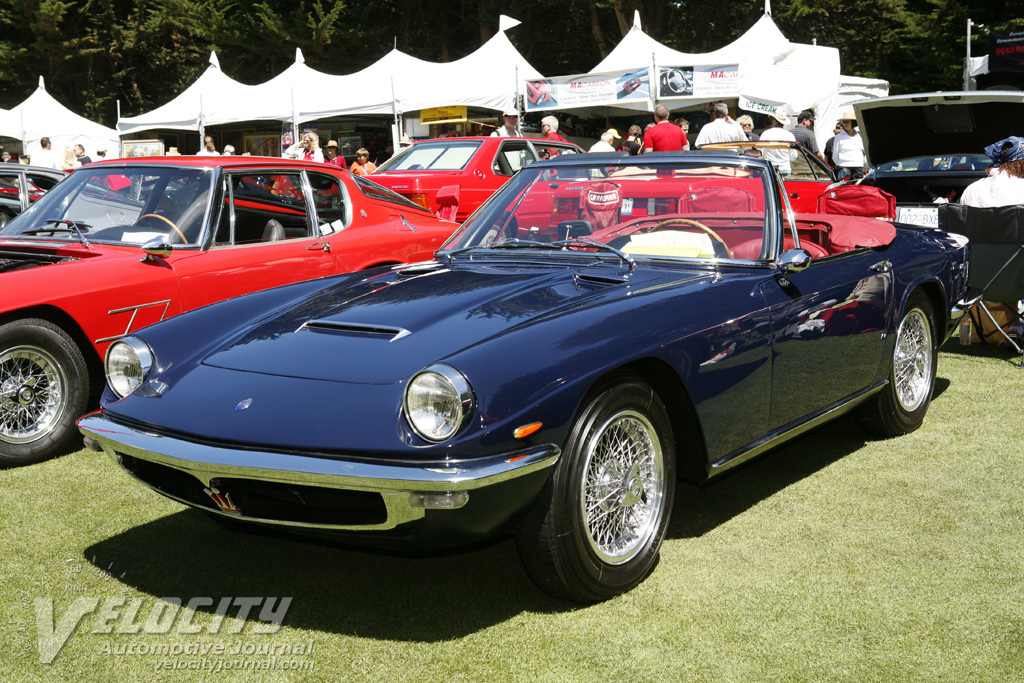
(44, 388)
(596, 528)
(900, 407)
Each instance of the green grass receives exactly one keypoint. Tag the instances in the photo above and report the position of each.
(835, 558)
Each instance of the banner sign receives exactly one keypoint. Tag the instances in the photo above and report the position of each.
(763, 107)
(588, 90)
(452, 114)
(1006, 51)
(698, 81)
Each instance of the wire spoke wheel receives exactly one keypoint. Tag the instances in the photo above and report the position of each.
(33, 391)
(912, 366)
(622, 487)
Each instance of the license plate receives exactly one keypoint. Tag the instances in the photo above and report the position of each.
(919, 215)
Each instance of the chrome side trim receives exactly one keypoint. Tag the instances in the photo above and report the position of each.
(166, 303)
(395, 483)
(778, 438)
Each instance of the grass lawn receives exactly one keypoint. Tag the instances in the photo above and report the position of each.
(835, 558)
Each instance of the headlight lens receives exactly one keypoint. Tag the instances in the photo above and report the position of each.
(437, 402)
(127, 365)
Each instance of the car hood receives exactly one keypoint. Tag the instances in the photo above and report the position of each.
(934, 124)
(383, 330)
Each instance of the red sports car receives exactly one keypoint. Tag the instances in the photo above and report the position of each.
(122, 244)
(453, 176)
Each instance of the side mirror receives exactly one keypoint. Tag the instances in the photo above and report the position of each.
(155, 247)
(793, 261)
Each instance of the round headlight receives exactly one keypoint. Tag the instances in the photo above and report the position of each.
(437, 402)
(127, 364)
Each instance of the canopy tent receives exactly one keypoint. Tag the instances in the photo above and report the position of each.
(213, 99)
(396, 83)
(40, 115)
(762, 69)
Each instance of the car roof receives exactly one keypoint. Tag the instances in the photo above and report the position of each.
(34, 169)
(937, 123)
(232, 161)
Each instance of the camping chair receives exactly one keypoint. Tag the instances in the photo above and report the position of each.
(997, 254)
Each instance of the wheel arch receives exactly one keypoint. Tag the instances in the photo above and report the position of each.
(63, 320)
(691, 451)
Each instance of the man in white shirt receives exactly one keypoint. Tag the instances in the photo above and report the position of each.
(45, 157)
(722, 129)
(508, 130)
(775, 132)
(605, 143)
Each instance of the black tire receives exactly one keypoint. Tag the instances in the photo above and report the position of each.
(901, 406)
(44, 388)
(583, 557)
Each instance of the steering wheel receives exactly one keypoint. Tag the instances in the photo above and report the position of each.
(686, 221)
(169, 222)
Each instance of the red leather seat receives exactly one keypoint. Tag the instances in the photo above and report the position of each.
(716, 199)
(751, 249)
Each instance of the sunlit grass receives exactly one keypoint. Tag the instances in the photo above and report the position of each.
(835, 558)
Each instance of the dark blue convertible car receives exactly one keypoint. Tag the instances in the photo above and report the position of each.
(604, 325)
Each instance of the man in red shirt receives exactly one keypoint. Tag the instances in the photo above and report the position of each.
(664, 136)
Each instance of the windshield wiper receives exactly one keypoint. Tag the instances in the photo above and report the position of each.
(74, 227)
(557, 244)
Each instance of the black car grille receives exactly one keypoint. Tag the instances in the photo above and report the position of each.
(265, 500)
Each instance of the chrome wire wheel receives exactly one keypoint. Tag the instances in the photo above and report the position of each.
(33, 393)
(912, 362)
(623, 487)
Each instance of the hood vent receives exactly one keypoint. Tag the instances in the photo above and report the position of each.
(357, 329)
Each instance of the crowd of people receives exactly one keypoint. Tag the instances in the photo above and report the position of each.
(47, 157)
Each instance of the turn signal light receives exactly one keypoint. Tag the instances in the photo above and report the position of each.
(526, 430)
(564, 205)
(420, 198)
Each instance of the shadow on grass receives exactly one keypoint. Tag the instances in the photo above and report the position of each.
(343, 590)
(700, 509)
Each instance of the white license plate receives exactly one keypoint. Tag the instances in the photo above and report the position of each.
(919, 215)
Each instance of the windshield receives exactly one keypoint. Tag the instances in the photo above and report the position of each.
(690, 209)
(118, 205)
(944, 163)
(433, 156)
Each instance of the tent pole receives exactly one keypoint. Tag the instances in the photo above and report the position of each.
(520, 121)
(202, 125)
(653, 80)
(295, 120)
(396, 128)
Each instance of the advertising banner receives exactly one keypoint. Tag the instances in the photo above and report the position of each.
(588, 90)
(698, 81)
(1006, 51)
(450, 114)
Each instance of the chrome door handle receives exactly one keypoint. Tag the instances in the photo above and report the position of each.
(322, 246)
(882, 266)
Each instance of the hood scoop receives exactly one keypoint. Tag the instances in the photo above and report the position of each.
(356, 329)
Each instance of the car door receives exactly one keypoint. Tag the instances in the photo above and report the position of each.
(13, 199)
(828, 331)
(807, 181)
(263, 235)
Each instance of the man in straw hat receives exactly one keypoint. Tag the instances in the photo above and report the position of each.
(775, 131)
(331, 156)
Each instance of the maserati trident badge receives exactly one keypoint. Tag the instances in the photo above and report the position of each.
(223, 500)
(244, 404)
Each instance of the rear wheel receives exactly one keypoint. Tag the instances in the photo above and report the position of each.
(44, 388)
(596, 528)
(901, 406)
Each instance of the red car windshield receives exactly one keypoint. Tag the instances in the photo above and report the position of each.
(435, 155)
(130, 206)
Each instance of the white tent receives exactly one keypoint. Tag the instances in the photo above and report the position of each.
(213, 99)
(40, 115)
(396, 83)
(773, 73)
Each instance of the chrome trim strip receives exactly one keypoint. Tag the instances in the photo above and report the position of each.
(771, 441)
(135, 310)
(395, 483)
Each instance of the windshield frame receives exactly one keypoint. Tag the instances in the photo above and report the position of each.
(468, 239)
(56, 202)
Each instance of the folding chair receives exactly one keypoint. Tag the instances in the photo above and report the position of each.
(997, 254)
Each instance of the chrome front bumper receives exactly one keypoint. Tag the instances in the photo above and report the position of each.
(407, 491)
